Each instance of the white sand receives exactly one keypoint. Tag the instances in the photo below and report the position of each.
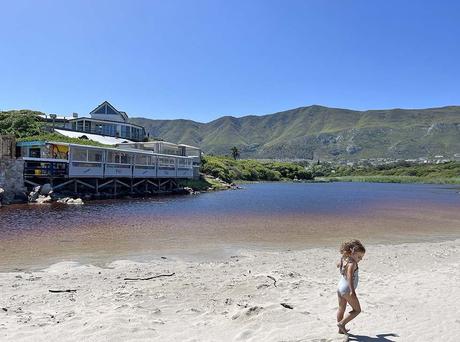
(408, 292)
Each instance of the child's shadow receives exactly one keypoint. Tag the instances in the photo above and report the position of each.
(377, 338)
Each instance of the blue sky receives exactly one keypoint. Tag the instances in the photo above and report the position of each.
(202, 59)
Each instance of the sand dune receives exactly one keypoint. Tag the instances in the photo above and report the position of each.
(408, 292)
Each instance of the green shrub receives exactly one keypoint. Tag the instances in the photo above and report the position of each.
(251, 170)
(21, 123)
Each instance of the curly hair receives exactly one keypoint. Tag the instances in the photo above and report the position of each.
(352, 246)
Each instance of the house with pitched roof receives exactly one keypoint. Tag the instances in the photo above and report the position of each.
(106, 120)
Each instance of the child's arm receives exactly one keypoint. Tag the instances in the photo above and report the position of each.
(350, 275)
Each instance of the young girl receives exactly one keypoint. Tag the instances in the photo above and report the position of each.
(352, 253)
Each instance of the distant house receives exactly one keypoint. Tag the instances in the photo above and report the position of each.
(106, 120)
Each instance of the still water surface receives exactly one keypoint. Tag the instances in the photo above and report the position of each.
(266, 215)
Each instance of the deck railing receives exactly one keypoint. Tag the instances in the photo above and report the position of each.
(39, 167)
(79, 165)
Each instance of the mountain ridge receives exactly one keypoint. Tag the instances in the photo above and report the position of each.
(321, 132)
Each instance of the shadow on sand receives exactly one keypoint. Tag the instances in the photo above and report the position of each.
(377, 338)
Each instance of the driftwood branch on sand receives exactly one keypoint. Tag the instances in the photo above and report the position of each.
(60, 291)
(274, 280)
(149, 278)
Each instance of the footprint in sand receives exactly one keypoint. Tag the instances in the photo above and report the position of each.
(254, 310)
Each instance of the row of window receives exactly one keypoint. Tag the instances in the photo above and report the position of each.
(120, 157)
(126, 132)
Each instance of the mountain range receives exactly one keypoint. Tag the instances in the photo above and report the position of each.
(318, 132)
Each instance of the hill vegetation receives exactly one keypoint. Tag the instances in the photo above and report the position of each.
(21, 123)
(324, 133)
(229, 169)
(398, 172)
(26, 125)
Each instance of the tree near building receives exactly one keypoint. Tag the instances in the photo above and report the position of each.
(235, 152)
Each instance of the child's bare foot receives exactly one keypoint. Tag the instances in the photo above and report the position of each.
(342, 329)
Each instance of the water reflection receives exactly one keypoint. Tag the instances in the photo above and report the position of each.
(263, 216)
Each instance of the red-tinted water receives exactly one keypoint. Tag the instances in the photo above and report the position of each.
(273, 215)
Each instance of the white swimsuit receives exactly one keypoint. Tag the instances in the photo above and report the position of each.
(343, 283)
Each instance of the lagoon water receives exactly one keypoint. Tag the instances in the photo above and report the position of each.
(211, 225)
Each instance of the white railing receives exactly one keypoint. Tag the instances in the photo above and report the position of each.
(158, 165)
(93, 162)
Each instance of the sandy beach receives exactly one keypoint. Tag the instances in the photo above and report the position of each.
(408, 292)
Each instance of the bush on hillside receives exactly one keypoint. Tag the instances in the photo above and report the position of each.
(251, 170)
(20, 123)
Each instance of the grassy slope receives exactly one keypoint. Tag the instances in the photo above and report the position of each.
(327, 133)
(27, 125)
(446, 173)
(396, 179)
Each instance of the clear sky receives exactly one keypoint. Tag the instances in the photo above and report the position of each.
(201, 59)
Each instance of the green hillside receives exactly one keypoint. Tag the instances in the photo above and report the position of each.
(322, 133)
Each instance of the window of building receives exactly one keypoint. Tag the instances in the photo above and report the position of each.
(34, 152)
(124, 158)
(136, 133)
(110, 110)
(111, 157)
(166, 163)
(116, 157)
(144, 159)
(125, 132)
(170, 150)
(79, 154)
(108, 130)
(101, 110)
(94, 155)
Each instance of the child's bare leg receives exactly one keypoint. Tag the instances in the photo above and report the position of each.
(354, 303)
(342, 307)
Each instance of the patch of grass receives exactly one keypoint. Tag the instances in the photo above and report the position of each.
(398, 172)
(202, 184)
(395, 179)
(61, 138)
(215, 185)
(196, 184)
